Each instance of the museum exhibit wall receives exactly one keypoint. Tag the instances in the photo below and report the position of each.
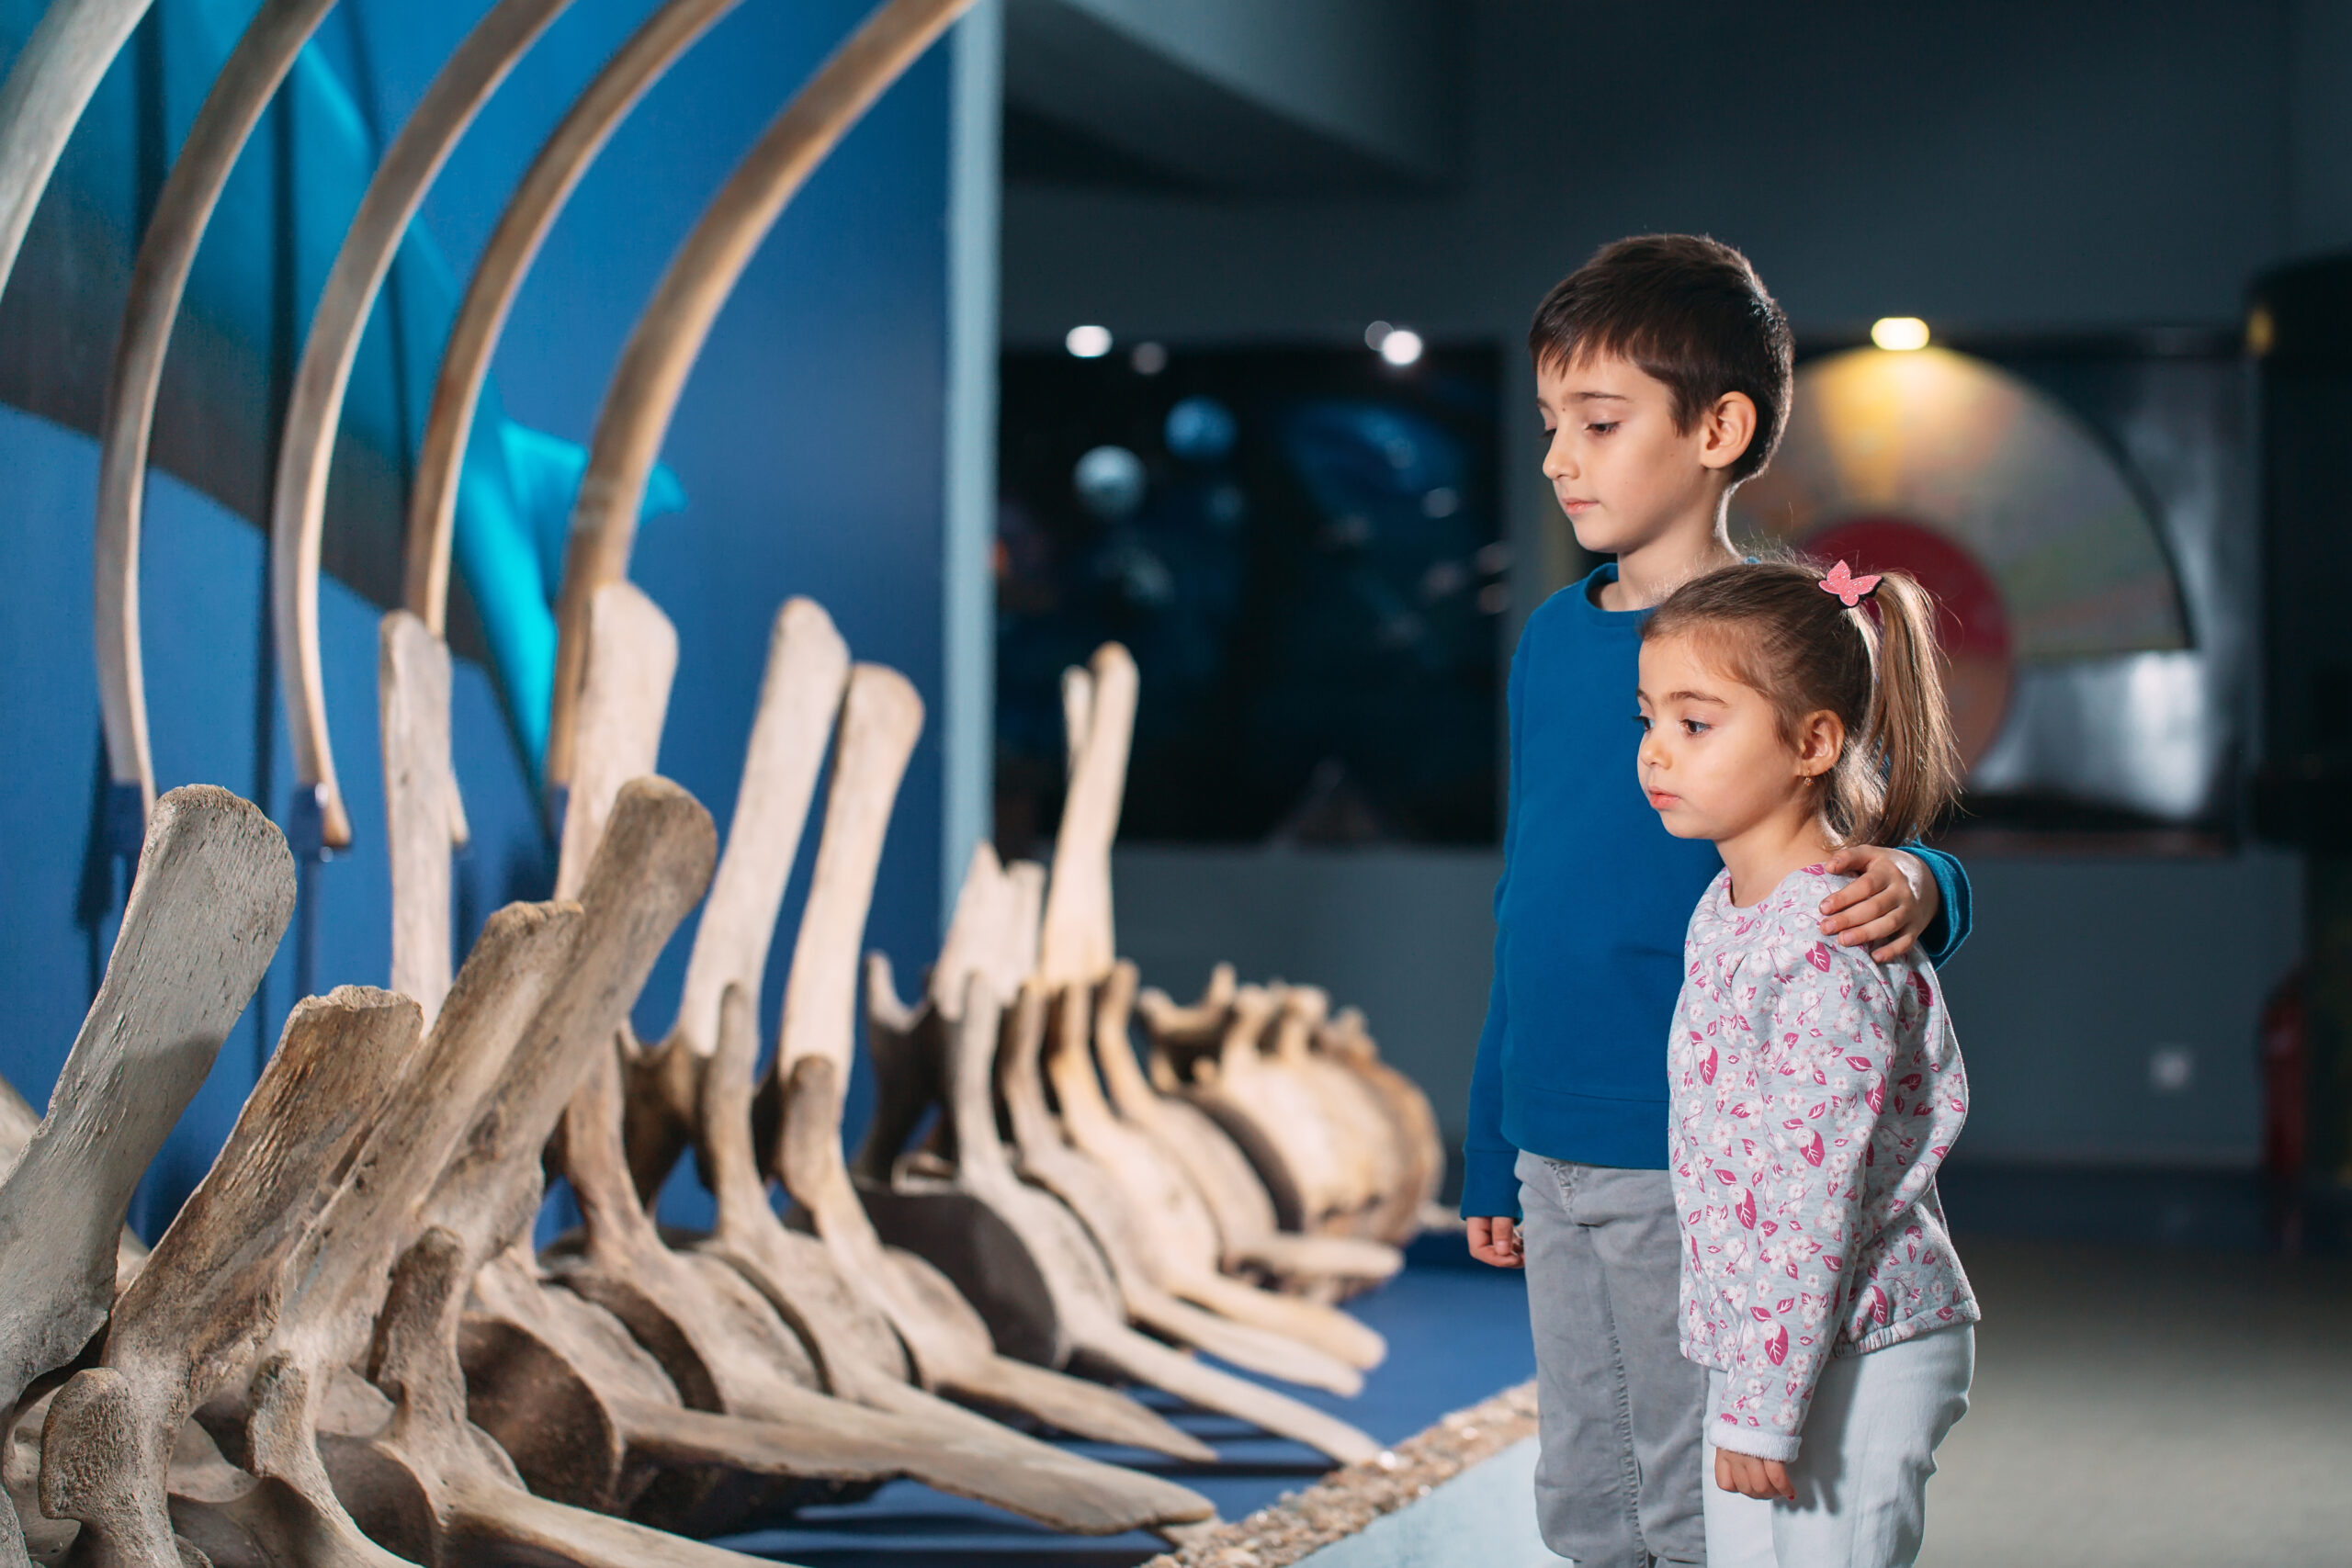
(808, 444)
(2011, 170)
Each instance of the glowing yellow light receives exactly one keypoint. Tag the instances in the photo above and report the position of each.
(2261, 331)
(1899, 333)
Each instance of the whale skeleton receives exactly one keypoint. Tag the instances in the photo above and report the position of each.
(342, 1351)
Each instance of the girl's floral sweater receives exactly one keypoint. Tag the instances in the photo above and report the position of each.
(1816, 1091)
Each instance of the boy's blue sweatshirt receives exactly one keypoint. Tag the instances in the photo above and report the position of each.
(1589, 915)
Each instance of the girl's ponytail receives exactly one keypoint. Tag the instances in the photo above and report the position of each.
(1908, 736)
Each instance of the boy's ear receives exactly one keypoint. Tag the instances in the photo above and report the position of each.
(1725, 428)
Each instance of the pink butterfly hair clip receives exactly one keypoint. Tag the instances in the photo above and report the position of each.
(1850, 589)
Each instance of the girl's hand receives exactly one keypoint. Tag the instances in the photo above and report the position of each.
(1892, 900)
(1497, 1240)
(1753, 1477)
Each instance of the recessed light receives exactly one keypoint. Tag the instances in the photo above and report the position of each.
(1898, 332)
(1402, 346)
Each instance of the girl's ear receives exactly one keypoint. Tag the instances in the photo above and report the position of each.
(1725, 430)
(1820, 737)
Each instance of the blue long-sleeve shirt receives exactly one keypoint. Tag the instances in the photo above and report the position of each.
(1589, 915)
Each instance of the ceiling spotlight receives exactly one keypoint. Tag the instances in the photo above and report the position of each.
(1893, 332)
(1088, 341)
(1401, 346)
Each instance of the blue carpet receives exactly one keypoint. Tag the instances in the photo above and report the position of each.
(1457, 1331)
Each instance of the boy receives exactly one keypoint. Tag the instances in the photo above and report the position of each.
(1663, 369)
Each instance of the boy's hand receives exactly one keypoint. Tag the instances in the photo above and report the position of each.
(1753, 1477)
(1497, 1241)
(1891, 900)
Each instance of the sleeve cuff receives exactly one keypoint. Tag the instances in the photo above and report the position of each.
(1731, 1432)
(1949, 929)
(1489, 1183)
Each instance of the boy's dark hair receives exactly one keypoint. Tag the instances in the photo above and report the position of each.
(1687, 310)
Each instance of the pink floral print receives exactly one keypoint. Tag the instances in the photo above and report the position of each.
(1816, 1093)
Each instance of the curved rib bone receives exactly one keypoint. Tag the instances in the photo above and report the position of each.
(670, 333)
(314, 409)
(539, 198)
(49, 86)
(233, 107)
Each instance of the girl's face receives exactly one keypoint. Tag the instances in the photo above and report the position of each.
(1712, 760)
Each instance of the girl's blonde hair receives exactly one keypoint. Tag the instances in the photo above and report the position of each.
(1772, 627)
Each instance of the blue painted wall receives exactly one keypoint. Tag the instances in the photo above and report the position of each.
(808, 441)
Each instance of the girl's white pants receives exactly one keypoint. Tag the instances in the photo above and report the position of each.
(1862, 1476)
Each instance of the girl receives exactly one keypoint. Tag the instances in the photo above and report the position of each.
(1815, 1090)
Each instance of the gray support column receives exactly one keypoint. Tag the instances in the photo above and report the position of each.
(967, 717)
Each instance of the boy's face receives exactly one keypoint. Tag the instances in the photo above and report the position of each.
(1712, 760)
(1622, 471)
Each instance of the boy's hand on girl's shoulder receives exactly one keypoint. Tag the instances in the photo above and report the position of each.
(1497, 1241)
(1891, 901)
(1753, 1477)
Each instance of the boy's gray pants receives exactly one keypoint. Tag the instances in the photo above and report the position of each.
(1619, 1410)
